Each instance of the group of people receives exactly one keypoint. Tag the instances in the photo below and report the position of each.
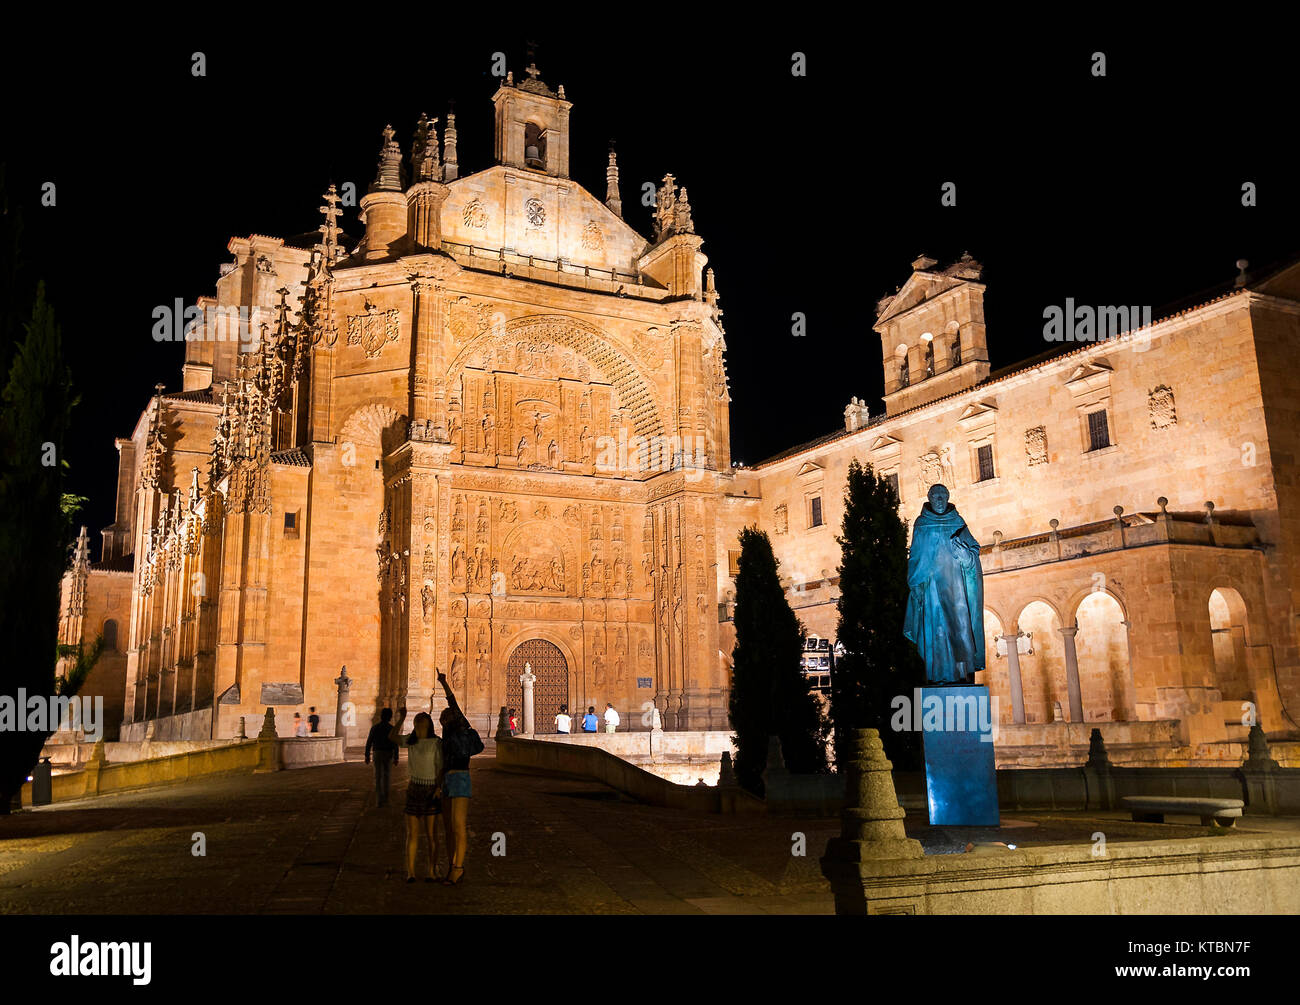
(564, 721)
(439, 783)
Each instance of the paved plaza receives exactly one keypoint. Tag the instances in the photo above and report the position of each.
(312, 841)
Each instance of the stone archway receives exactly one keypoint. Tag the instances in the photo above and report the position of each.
(551, 689)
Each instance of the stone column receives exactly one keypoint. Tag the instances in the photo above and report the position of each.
(527, 679)
(1013, 676)
(342, 704)
(1072, 674)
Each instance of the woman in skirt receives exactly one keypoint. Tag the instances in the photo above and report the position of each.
(424, 793)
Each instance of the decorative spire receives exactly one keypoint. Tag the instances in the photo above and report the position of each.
(389, 176)
(425, 163)
(682, 222)
(664, 200)
(329, 230)
(81, 557)
(612, 200)
(450, 171)
(710, 291)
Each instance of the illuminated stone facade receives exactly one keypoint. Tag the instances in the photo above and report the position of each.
(500, 419)
(1136, 499)
(497, 427)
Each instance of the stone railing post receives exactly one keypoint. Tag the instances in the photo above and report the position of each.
(871, 823)
(93, 768)
(1258, 771)
(267, 754)
(1097, 774)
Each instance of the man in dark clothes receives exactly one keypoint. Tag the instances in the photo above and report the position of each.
(385, 751)
(313, 721)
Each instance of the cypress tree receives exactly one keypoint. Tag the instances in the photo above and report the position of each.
(879, 663)
(35, 526)
(769, 695)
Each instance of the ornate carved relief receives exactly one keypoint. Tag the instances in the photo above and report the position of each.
(781, 518)
(935, 468)
(1160, 403)
(373, 329)
(1036, 445)
(475, 215)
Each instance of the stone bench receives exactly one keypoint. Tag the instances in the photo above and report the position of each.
(1152, 809)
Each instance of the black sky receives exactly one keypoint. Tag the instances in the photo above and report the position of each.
(812, 194)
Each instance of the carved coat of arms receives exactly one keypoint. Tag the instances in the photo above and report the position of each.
(373, 329)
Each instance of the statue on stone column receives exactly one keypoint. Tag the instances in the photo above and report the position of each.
(945, 604)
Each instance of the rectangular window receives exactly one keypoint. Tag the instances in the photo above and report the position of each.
(290, 521)
(892, 479)
(815, 512)
(733, 563)
(1098, 433)
(984, 455)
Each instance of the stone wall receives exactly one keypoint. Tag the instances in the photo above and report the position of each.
(1213, 875)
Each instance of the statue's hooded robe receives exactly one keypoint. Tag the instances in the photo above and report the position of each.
(945, 604)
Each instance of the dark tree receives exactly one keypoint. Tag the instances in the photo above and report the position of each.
(878, 662)
(35, 527)
(769, 695)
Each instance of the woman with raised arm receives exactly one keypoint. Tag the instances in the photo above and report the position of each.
(424, 757)
(460, 742)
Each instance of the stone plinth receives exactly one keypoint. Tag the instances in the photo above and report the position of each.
(960, 781)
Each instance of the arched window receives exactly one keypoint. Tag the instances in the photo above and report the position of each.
(929, 358)
(110, 635)
(956, 349)
(534, 146)
(904, 372)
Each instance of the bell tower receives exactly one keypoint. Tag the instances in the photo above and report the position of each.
(932, 339)
(532, 125)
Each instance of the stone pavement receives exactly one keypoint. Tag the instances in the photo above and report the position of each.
(312, 841)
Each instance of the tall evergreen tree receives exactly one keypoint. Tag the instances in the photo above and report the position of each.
(35, 526)
(879, 663)
(769, 694)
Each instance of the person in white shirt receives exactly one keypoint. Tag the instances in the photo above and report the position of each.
(611, 719)
(563, 721)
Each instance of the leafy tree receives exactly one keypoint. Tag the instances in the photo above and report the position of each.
(769, 694)
(35, 525)
(879, 663)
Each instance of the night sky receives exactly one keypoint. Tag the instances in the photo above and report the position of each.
(812, 194)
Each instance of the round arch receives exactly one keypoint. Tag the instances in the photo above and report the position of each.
(635, 392)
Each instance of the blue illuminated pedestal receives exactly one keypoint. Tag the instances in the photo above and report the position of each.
(960, 784)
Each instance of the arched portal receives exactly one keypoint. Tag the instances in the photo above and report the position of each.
(1101, 644)
(1228, 633)
(1042, 668)
(550, 691)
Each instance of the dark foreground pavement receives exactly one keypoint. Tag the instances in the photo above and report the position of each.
(312, 841)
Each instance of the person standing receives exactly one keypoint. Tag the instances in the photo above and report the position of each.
(460, 742)
(385, 751)
(514, 723)
(299, 726)
(589, 720)
(424, 758)
(564, 721)
(314, 721)
(611, 718)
